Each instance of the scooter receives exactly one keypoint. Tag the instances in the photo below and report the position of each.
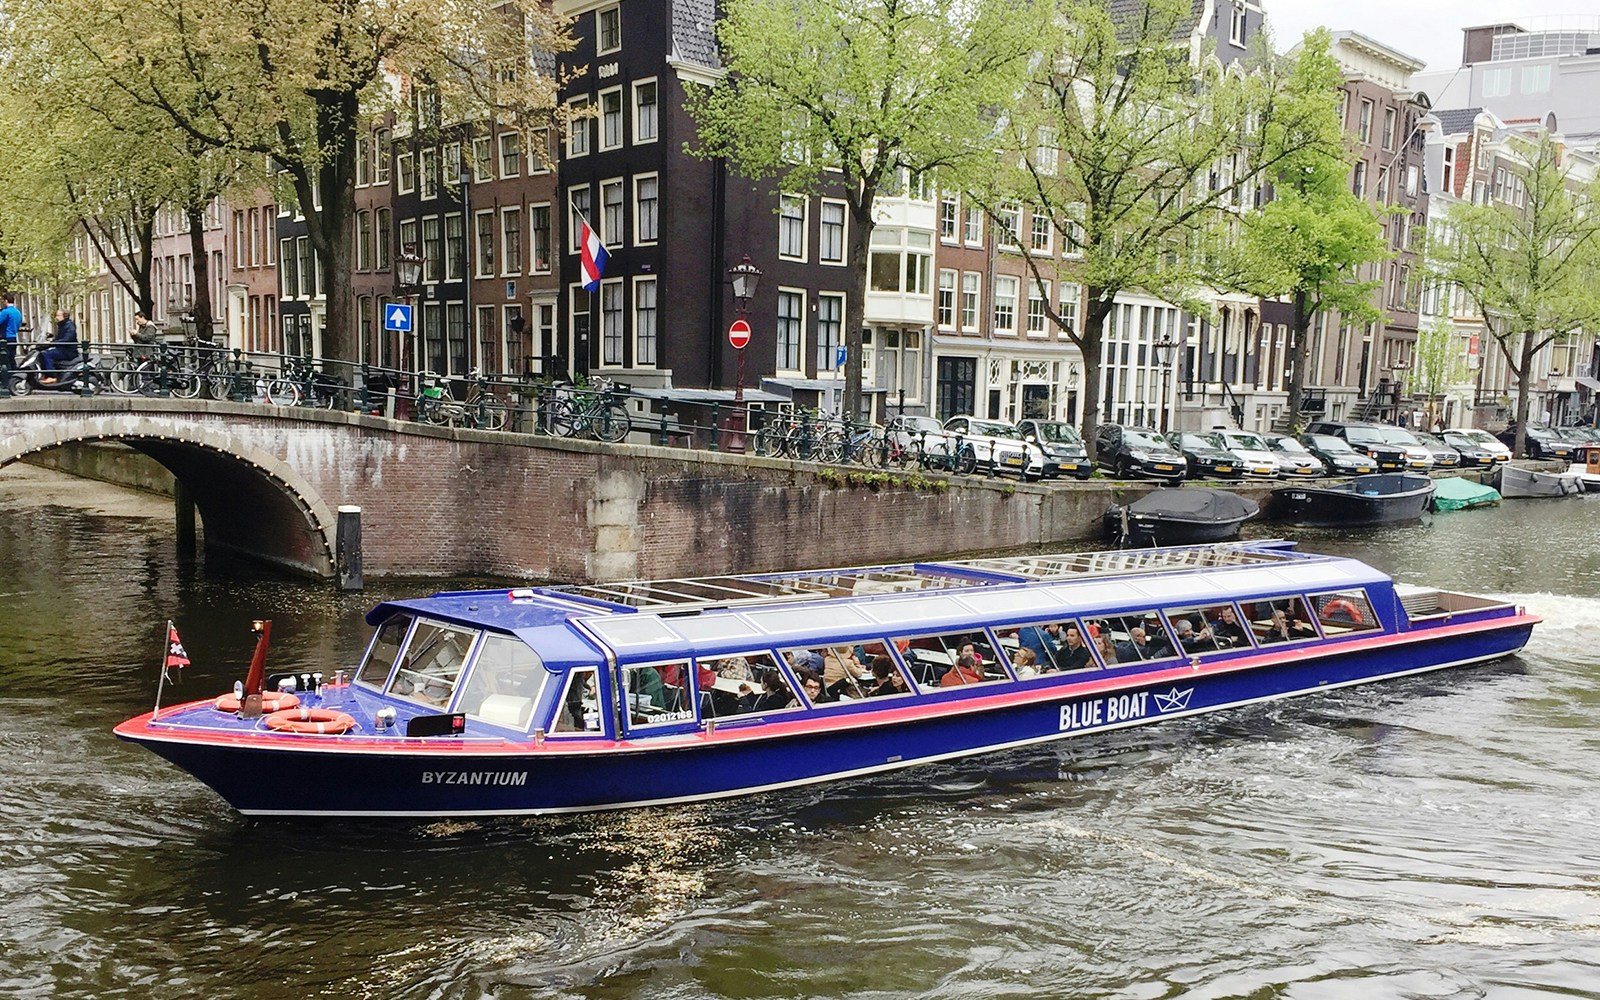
(83, 375)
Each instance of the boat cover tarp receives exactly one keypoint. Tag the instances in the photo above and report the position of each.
(1195, 503)
(1456, 493)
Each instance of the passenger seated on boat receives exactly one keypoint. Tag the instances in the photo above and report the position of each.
(1107, 648)
(1151, 642)
(775, 694)
(1043, 640)
(1196, 642)
(809, 659)
(1226, 626)
(811, 685)
(1284, 629)
(886, 677)
(1023, 662)
(841, 673)
(968, 649)
(1074, 653)
(966, 671)
(646, 684)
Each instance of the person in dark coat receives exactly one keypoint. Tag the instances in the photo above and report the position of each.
(63, 349)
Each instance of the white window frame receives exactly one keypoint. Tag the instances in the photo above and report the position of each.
(611, 93)
(494, 243)
(550, 235)
(500, 155)
(600, 15)
(484, 159)
(616, 285)
(573, 231)
(1236, 23)
(1038, 291)
(639, 135)
(405, 164)
(1007, 327)
(954, 220)
(1008, 227)
(1035, 216)
(784, 220)
(506, 268)
(816, 339)
(655, 308)
(972, 227)
(800, 348)
(971, 284)
(939, 290)
(639, 237)
(578, 123)
(844, 232)
(607, 237)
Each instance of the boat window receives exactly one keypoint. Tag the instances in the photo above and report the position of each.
(1344, 611)
(1138, 637)
(1284, 619)
(385, 647)
(658, 694)
(1208, 628)
(744, 685)
(1047, 648)
(936, 660)
(504, 682)
(579, 711)
(431, 663)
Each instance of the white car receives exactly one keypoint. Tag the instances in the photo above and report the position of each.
(997, 446)
(1256, 458)
(1477, 446)
(1419, 458)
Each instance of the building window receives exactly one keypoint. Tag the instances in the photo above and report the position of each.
(510, 154)
(831, 248)
(1041, 230)
(1046, 153)
(1449, 170)
(1388, 128)
(644, 321)
(1364, 123)
(792, 227)
(1009, 219)
(949, 211)
(577, 211)
(456, 331)
(1068, 307)
(611, 331)
(1358, 182)
(482, 158)
(1411, 181)
(539, 155)
(646, 205)
(486, 242)
(383, 238)
(432, 249)
(308, 267)
(428, 173)
(644, 111)
(385, 150)
(969, 300)
(363, 241)
(946, 314)
(539, 237)
(1038, 296)
(455, 247)
(578, 128)
(830, 326)
(1497, 82)
(1236, 24)
(608, 30)
(612, 232)
(1005, 303)
(288, 286)
(972, 230)
(510, 241)
(1536, 79)
(611, 118)
(488, 339)
(789, 332)
(919, 263)
(408, 172)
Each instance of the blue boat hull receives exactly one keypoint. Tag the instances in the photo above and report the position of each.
(516, 779)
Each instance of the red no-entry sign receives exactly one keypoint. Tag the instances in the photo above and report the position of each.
(739, 334)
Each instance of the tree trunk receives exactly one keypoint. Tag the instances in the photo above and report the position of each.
(1520, 445)
(200, 309)
(1091, 344)
(1299, 357)
(855, 310)
(329, 226)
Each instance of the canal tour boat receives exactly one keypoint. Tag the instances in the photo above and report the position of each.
(566, 699)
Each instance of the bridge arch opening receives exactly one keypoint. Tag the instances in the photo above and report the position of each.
(250, 503)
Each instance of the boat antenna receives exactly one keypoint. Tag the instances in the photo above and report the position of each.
(258, 663)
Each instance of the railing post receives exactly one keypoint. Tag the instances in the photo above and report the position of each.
(661, 438)
(163, 384)
(716, 424)
(761, 434)
(365, 397)
(5, 369)
(805, 435)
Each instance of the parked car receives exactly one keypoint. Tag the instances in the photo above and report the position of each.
(1338, 456)
(1419, 458)
(1478, 448)
(1444, 456)
(1065, 454)
(1581, 433)
(1294, 461)
(1257, 457)
(1202, 457)
(997, 446)
(922, 438)
(1369, 439)
(1137, 451)
(1543, 442)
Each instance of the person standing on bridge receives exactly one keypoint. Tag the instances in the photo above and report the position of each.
(144, 331)
(10, 324)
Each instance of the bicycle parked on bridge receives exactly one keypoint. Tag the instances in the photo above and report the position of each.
(482, 409)
(594, 412)
(300, 383)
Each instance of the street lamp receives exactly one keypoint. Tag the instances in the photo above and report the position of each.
(745, 277)
(1164, 348)
(408, 265)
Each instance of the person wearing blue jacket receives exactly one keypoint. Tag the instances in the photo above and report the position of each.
(10, 324)
(63, 349)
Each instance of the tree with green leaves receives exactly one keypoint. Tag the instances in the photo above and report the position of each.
(1312, 240)
(1142, 159)
(294, 82)
(1532, 271)
(1438, 364)
(845, 95)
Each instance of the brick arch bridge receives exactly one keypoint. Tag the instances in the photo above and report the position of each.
(438, 502)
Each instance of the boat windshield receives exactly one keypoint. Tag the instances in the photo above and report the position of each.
(384, 650)
(430, 665)
(1143, 439)
(504, 682)
(1057, 433)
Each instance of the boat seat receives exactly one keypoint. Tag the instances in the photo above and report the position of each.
(506, 710)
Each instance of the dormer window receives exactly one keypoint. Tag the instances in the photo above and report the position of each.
(608, 30)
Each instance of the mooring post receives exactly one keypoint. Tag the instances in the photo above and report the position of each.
(347, 553)
(183, 511)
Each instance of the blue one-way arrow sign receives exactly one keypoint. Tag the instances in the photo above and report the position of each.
(397, 317)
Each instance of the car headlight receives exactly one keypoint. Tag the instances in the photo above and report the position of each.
(1139, 456)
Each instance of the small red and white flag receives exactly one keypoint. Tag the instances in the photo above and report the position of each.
(592, 255)
(176, 656)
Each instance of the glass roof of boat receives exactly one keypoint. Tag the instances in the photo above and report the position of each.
(668, 596)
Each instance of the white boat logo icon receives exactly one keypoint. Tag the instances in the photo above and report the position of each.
(1174, 700)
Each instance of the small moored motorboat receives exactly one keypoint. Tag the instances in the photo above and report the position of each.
(605, 696)
(1518, 482)
(1384, 498)
(1457, 493)
(1182, 516)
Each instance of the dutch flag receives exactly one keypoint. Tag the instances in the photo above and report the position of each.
(592, 255)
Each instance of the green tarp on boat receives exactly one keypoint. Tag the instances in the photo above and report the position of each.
(1456, 493)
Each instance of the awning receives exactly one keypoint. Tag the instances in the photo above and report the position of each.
(1593, 385)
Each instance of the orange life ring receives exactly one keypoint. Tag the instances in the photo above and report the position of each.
(271, 701)
(1343, 606)
(311, 721)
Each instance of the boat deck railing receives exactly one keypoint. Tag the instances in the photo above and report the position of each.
(694, 594)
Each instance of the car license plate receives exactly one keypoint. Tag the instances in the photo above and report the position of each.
(1262, 470)
(1163, 468)
(1069, 466)
(1224, 468)
(1014, 461)
(1389, 465)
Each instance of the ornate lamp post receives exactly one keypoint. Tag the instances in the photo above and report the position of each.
(745, 277)
(408, 275)
(1164, 348)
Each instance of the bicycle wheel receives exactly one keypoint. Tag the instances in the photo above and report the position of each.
(561, 418)
(966, 460)
(610, 423)
(125, 378)
(492, 413)
(183, 383)
(219, 384)
(282, 392)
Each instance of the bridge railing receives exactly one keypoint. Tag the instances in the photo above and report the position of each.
(596, 408)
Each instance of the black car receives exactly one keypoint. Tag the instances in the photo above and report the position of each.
(1445, 455)
(1063, 447)
(1137, 451)
(1369, 439)
(1337, 454)
(1543, 442)
(1476, 448)
(1204, 458)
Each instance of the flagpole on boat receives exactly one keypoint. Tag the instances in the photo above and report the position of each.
(166, 644)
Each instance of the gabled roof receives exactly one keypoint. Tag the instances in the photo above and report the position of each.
(1454, 121)
(694, 37)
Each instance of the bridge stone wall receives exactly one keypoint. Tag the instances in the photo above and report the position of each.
(449, 502)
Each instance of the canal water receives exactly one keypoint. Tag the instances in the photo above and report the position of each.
(1433, 837)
